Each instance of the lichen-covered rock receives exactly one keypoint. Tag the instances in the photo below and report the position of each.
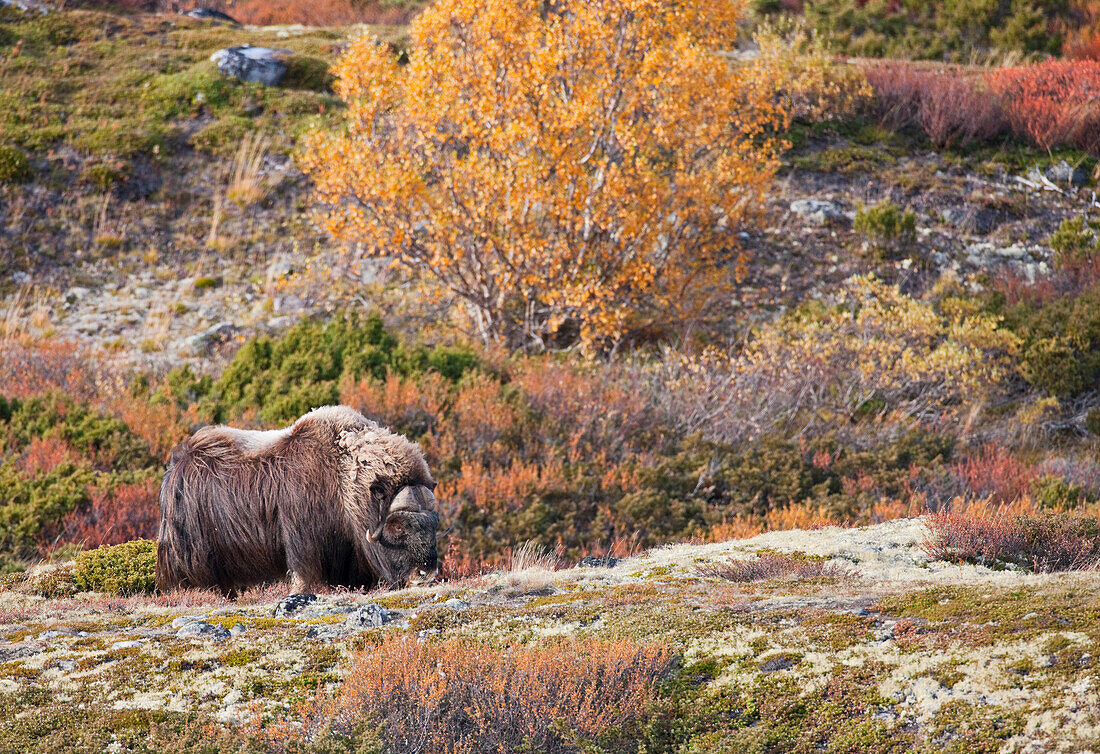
(200, 629)
(368, 616)
(292, 604)
(261, 65)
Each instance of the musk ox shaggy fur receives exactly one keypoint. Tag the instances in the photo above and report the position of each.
(333, 499)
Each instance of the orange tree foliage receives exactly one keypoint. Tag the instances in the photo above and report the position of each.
(570, 171)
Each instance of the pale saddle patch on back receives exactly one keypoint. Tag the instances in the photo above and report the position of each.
(253, 440)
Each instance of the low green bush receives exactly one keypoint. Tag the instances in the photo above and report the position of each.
(947, 30)
(889, 228)
(14, 166)
(307, 72)
(222, 137)
(125, 569)
(283, 378)
(1075, 242)
(1060, 340)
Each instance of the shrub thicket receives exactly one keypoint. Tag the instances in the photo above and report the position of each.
(123, 569)
(948, 30)
(282, 378)
(1060, 340)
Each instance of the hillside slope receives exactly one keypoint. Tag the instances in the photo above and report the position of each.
(882, 650)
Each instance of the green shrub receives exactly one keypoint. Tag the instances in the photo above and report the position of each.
(84, 428)
(887, 227)
(222, 137)
(1076, 242)
(14, 166)
(1060, 351)
(107, 174)
(124, 569)
(1092, 421)
(1052, 491)
(31, 505)
(948, 30)
(283, 378)
(306, 72)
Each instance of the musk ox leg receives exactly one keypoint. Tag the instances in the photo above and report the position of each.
(298, 584)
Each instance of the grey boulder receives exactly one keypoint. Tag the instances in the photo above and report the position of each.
(816, 211)
(209, 14)
(200, 629)
(261, 65)
(1064, 173)
(368, 616)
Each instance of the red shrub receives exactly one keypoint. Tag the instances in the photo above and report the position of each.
(313, 12)
(1056, 103)
(130, 511)
(950, 105)
(1043, 542)
(995, 475)
(897, 88)
(461, 695)
(43, 454)
(957, 109)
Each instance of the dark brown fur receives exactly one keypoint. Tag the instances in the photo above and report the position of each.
(244, 508)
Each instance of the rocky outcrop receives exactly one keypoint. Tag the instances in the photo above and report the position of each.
(261, 65)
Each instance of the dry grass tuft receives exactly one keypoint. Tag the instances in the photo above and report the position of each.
(775, 566)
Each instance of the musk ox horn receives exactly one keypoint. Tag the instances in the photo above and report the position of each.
(413, 497)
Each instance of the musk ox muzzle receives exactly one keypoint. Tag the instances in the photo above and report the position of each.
(333, 499)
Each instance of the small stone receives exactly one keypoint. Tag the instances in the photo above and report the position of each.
(454, 603)
(125, 645)
(200, 629)
(292, 604)
(368, 616)
(816, 211)
(1066, 174)
(778, 662)
(423, 635)
(209, 14)
(237, 629)
(591, 561)
(66, 665)
(183, 620)
(54, 633)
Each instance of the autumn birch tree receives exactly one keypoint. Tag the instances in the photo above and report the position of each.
(569, 171)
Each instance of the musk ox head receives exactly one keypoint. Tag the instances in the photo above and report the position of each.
(408, 535)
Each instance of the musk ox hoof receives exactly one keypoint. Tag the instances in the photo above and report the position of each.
(292, 604)
(368, 616)
(200, 629)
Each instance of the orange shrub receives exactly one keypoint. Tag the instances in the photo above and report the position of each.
(582, 212)
(461, 695)
(36, 368)
(125, 513)
(1056, 103)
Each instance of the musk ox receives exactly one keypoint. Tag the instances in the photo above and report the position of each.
(333, 499)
